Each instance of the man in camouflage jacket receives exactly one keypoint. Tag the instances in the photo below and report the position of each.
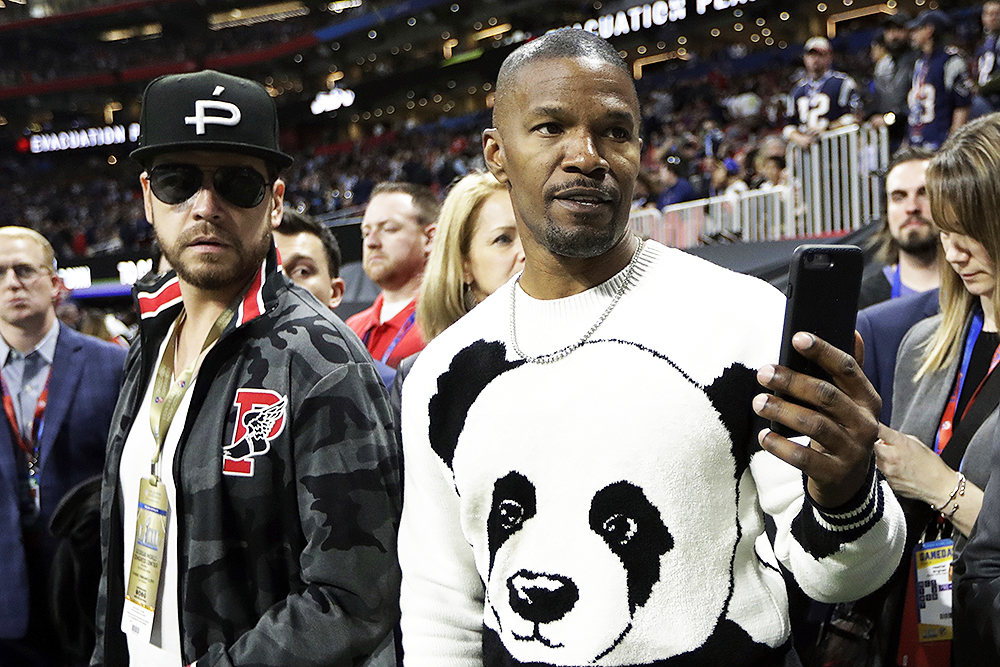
(284, 466)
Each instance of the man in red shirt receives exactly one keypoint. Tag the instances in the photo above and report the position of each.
(397, 229)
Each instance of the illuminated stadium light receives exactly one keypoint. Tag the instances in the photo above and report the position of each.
(109, 112)
(639, 63)
(331, 101)
(334, 77)
(495, 31)
(341, 5)
(253, 15)
(148, 30)
(831, 23)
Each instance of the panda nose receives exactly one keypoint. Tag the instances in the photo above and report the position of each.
(541, 598)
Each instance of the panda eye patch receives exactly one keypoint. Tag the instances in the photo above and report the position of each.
(620, 529)
(511, 514)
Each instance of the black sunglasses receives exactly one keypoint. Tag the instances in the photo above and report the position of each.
(239, 185)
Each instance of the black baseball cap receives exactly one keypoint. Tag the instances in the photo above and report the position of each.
(208, 110)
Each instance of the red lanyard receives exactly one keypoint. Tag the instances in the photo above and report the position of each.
(947, 426)
(27, 445)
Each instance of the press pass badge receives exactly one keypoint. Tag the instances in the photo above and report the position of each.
(147, 557)
(934, 590)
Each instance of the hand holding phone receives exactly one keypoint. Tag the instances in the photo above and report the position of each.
(823, 289)
(840, 417)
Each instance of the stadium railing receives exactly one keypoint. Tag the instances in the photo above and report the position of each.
(834, 187)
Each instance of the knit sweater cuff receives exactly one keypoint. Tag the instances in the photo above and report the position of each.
(822, 531)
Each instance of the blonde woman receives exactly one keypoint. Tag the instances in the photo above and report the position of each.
(945, 395)
(476, 250)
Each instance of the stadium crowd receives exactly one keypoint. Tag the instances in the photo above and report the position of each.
(694, 118)
(841, 513)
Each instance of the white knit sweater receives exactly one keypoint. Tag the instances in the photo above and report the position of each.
(608, 508)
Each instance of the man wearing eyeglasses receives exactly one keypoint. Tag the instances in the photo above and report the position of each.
(251, 493)
(59, 391)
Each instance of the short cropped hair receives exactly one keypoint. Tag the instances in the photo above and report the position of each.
(293, 222)
(562, 43)
(424, 199)
(908, 154)
(23, 233)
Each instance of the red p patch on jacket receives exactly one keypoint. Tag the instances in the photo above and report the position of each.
(260, 418)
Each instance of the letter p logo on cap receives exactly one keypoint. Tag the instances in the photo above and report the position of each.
(200, 119)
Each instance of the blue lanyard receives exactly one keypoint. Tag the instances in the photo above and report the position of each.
(395, 341)
(897, 285)
(975, 328)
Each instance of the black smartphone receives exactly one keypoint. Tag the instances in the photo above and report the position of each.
(824, 283)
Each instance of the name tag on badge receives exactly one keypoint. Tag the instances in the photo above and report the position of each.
(147, 559)
(933, 569)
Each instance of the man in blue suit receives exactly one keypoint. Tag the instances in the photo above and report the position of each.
(59, 392)
(882, 327)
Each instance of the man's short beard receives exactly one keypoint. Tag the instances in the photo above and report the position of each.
(211, 276)
(918, 244)
(581, 243)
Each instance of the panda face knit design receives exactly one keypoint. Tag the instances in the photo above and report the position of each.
(607, 509)
(581, 555)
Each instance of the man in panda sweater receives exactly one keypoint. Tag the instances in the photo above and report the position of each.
(586, 464)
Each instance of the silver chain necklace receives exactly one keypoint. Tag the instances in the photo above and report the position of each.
(569, 349)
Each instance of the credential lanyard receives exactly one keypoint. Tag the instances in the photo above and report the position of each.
(947, 426)
(897, 284)
(167, 394)
(27, 443)
(395, 341)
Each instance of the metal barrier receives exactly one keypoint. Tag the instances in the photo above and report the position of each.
(835, 186)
